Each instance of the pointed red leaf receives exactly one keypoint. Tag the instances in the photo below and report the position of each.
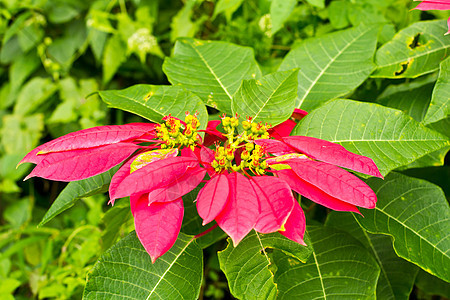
(120, 175)
(433, 5)
(335, 181)
(283, 129)
(333, 154)
(314, 193)
(275, 201)
(241, 211)
(98, 136)
(212, 134)
(154, 175)
(81, 164)
(180, 186)
(157, 226)
(212, 198)
(295, 225)
(275, 147)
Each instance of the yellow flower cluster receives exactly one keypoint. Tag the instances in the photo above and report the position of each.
(173, 133)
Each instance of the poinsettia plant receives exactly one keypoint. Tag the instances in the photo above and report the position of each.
(290, 174)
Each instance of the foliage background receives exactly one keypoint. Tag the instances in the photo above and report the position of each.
(55, 54)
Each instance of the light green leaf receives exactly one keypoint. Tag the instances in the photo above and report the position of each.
(397, 275)
(212, 70)
(270, 99)
(76, 190)
(20, 69)
(226, 6)
(332, 65)
(114, 55)
(337, 13)
(417, 215)
(414, 51)
(280, 10)
(126, 272)
(33, 94)
(440, 101)
(21, 134)
(246, 266)
(339, 268)
(182, 25)
(391, 138)
(317, 3)
(153, 102)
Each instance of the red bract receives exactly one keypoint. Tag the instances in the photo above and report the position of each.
(251, 174)
(435, 5)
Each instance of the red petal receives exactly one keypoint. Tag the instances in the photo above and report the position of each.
(179, 187)
(281, 130)
(212, 198)
(335, 181)
(275, 147)
(276, 203)
(314, 193)
(295, 225)
(157, 226)
(433, 5)
(299, 114)
(138, 161)
(241, 211)
(212, 134)
(333, 154)
(154, 175)
(81, 164)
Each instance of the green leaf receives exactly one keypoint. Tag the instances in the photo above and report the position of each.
(417, 215)
(280, 10)
(20, 134)
(76, 190)
(126, 272)
(432, 285)
(212, 70)
(317, 3)
(114, 218)
(414, 51)
(397, 275)
(339, 268)
(20, 69)
(440, 101)
(270, 99)
(332, 65)
(246, 266)
(153, 102)
(391, 138)
(33, 94)
(226, 6)
(182, 25)
(337, 12)
(114, 55)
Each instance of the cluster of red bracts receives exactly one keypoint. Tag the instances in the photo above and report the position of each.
(236, 201)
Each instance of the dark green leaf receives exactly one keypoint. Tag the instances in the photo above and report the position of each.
(126, 272)
(417, 215)
(339, 268)
(76, 190)
(397, 275)
(212, 70)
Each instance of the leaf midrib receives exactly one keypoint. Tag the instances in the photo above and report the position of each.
(167, 270)
(211, 70)
(333, 59)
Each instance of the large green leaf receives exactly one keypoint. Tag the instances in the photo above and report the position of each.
(417, 215)
(391, 138)
(126, 272)
(246, 265)
(339, 268)
(414, 51)
(397, 275)
(76, 190)
(212, 70)
(153, 102)
(332, 65)
(440, 101)
(270, 99)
